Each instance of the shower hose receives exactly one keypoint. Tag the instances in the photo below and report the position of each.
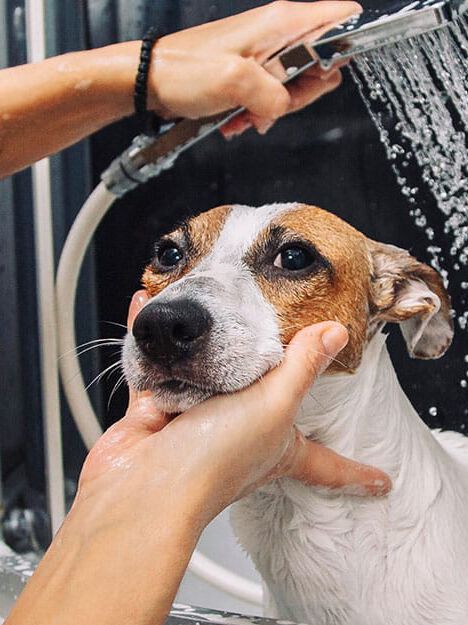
(76, 245)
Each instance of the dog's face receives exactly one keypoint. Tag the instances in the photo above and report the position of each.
(231, 287)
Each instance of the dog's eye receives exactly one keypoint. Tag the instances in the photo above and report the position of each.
(294, 258)
(169, 255)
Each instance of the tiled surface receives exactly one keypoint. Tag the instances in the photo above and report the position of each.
(15, 572)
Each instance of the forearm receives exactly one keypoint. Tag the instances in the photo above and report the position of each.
(194, 73)
(123, 573)
(47, 106)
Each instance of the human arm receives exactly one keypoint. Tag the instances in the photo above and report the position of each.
(150, 486)
(47, 106)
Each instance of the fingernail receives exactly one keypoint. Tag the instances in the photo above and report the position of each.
(235, 128)
(263, 128)
(334, 339)
(381, 487)
(141, 298)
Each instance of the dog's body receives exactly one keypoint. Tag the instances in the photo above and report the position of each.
(229, 290)
(331, 559)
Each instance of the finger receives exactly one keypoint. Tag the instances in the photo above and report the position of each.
(308, 89)
(248, 84)
(303, 91)
(236, 126)
(243, 122)
(319, 466)
(307, 356)
(142, 413)
(139, 299)
(281, 23)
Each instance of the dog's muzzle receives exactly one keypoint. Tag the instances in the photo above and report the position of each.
(202, 336)
(170, 332)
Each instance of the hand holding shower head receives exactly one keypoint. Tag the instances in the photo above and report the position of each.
(147, 156)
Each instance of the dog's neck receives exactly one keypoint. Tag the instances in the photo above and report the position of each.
(367, 416)
(327, 557)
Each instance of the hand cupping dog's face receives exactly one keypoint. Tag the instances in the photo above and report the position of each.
(231, 287)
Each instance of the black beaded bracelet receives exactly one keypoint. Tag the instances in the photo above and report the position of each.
(150, 121)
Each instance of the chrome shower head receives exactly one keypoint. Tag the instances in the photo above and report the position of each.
(388, 24)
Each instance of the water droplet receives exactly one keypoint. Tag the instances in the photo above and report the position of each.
(421, 221)
(426, 124)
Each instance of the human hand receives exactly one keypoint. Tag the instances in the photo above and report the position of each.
(217, 66)
(150, 485)
(228, 445)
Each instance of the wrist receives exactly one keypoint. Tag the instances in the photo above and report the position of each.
(107, 565)
(110, 72)
(116, 67)
(114, 70)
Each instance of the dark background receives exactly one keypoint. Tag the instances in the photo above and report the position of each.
(328, 155)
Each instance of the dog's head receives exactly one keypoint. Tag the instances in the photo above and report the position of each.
(231, 287)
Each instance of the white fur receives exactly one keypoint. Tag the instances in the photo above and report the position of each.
(244, 341)
(335, 559)
(242, 228)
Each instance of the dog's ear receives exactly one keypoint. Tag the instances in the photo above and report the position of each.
(410, 293)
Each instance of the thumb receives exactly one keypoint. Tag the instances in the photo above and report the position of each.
(306, 357)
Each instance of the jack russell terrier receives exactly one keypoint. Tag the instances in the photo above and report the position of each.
(229, 290)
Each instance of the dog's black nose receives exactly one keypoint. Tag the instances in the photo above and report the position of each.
(167, 332)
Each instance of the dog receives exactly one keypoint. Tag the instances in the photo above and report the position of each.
(229, 289)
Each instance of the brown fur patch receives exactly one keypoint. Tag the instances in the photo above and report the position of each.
(396, 276)
(392, 268)
(341, 297)
(197, 238)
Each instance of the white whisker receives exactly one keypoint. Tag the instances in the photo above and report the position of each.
(108, 369)
(93, 344)
(117, 385)
(114, 323)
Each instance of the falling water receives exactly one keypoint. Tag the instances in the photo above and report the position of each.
(416, 92)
